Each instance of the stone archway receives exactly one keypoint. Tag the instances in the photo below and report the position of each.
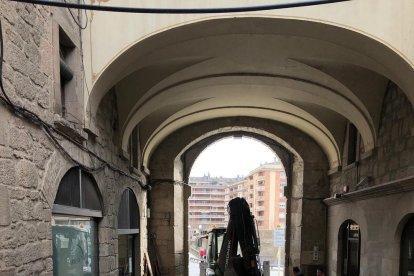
(304, 161)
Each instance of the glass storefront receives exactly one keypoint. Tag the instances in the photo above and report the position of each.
(126, 255)
(74, 246)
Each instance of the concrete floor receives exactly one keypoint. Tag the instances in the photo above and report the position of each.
(194, 268)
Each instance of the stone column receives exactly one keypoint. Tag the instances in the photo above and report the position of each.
(314, 219)
(169, 226)
(294, 217)
(186, 195)
(161, 226)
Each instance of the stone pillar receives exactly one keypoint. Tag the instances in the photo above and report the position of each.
(187, 194)
(161, 226)
(314, 220)
(169, 226)
(294, 217)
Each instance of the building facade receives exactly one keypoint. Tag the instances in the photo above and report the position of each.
(263, 190)
(206, 205)
(103, 114)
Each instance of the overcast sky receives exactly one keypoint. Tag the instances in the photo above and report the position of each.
(230, 157)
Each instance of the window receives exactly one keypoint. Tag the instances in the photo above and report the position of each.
(349, 248)
(74, 232)
(75, 246)
(282, 205)
(282, 215)
(281, 194)
(352, 144)
(128, 230)
(407, 249)
(134, 150)
(282, 175)
(78, 189)
(68, 93)
(66, 49)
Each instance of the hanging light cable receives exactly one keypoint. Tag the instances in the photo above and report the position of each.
(64, 4)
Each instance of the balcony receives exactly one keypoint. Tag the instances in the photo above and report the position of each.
(260, 208)
(259, 218)
(212, 204)
(207, 192)
(260, 198)
(221, 217)
(260, 188)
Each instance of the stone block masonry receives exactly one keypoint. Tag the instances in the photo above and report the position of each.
(31, 167)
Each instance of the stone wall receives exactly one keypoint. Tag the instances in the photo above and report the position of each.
(393, 158)
(308, 185)
(381, 203)
(31, 166)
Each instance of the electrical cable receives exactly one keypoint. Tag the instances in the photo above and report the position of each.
(76, 21)
(180, 10)
(48, 129)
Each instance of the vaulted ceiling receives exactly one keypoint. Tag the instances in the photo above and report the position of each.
(309, 75)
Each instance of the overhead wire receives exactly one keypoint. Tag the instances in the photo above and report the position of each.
(65, 4)
(76, 20)
(50, 130)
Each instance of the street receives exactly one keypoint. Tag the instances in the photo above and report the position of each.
(194, 268)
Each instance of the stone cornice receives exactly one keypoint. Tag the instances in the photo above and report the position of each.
(389, 188)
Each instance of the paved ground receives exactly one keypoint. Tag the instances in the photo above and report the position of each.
(194, 269)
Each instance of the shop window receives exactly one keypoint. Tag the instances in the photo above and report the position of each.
(128, 230)
(349, 248)
(74, 228)
(407, 249)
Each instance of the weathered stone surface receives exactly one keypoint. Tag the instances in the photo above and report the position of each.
(7, 174)
(8, 272)
(4, 206)
(26, 174)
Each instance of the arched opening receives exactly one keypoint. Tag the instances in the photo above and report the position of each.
(75, 211)
(128, 235)
(237, 166)
(305, 164)
(349, 249)
(407, 249)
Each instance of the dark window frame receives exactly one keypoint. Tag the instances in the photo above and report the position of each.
(405, 248)
(76, 203)
(346, 241)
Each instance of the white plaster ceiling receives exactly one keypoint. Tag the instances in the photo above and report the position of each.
(309, 75)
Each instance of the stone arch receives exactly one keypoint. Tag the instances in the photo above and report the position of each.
(55, 170)
(396, 245)
(374, 56)
(57, 167)
(115, 70)
(277, 145)
(307, 169)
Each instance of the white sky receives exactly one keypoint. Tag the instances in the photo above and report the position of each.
(230, 157)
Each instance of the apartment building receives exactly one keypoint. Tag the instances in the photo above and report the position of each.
(207, 203)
